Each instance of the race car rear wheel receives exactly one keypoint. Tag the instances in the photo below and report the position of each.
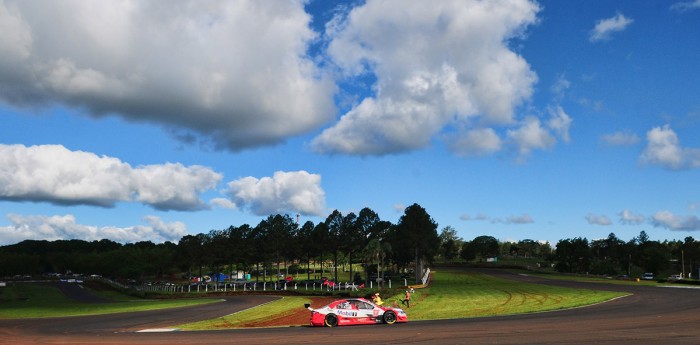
(331, 320)
(389, 317)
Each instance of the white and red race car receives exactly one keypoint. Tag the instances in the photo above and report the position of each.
(354, 311)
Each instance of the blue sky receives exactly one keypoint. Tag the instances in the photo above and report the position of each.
(515, 119)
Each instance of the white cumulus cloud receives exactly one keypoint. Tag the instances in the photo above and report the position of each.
(686, 5)
(598, 219)
(629, 218)
(621, 138)
(436, 65)
(560, 86)
(531, 135)
(475, 142)
(668, 220)
(560, 122)
(296, 191)
(65, 227)
(522, 219)
(664, 149)
(604, 28)
(54, 174)
(223, 203)
(235, 73)
(516, 219)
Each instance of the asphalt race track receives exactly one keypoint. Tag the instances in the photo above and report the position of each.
(660, 315)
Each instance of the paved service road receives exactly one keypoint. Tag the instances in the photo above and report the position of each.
(660, 315)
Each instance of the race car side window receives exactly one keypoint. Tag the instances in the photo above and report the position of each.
(363, 305)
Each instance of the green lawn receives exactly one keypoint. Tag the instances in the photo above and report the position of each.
(455, 294)
(452, 294)
(44, 300)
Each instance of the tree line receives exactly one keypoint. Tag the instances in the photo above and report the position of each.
(609, 256)
(640, 254)
(340, 241)
(276, 242)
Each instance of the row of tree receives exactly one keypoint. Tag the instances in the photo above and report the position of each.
(341, 240)
(362, 238)
(614, 256)
(608, 256)
(453, 247)
(276, 241)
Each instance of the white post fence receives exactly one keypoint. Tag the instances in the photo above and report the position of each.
(252, 286)
(426, 276)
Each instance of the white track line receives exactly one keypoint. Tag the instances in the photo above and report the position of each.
(157, 330)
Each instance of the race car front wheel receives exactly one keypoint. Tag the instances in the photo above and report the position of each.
(331, 320)
(389, 317)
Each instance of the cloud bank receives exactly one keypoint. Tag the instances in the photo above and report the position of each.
(436, 66)
(54, 174)
(516, 219)
(234, 73)
(660, 219)
(66, 227)
(668, 220)
(244, 74)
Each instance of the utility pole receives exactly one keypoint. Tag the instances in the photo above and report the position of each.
(683, 262)
(629, 265)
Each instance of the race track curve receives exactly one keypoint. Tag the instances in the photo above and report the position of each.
(660, 315)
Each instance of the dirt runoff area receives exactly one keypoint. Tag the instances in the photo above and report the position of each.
(298, 317)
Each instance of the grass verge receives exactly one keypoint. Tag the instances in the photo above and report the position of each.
(452, 294)
(20, 301)
(457, 294)
(287, 305)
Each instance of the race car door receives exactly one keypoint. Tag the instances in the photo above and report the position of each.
(347, 312)
(366, 312)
